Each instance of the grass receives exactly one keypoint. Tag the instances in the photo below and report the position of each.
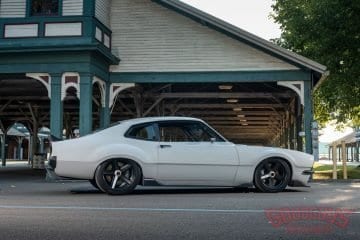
(323, 171)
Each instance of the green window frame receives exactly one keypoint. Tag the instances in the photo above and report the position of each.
(44, 8)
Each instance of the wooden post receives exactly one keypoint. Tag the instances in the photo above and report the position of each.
(85, 121)
(56, 107)
(343, 156)
(334, 161)
(3, 149)
(308, 116)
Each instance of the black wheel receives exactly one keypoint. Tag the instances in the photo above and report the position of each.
(93, 183)
(272, 175)
(118, 176)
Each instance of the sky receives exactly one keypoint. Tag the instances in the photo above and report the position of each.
(250, 15)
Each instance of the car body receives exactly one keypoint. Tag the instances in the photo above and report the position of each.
(175, 151)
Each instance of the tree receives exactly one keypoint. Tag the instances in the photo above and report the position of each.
(327, 31)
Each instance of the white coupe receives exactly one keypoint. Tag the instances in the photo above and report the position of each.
(175, 151)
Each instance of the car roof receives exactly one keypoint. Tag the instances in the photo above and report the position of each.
(156, 119)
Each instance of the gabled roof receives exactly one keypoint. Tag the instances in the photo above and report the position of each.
(221, 25)
(350, 138)
(15, 132)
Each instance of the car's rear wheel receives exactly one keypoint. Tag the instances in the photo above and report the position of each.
(272, 175)
(118, 176)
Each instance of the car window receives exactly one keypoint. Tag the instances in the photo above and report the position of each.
(142, 132)
(198, 133)
(186, 132)
(173, 133)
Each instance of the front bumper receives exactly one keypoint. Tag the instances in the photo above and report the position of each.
(301, 178)
(307, 172)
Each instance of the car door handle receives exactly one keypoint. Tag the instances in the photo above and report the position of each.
(165, 146)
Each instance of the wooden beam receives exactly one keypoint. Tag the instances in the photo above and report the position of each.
(24, 98)
(272, 118)
(239, 128)
(231, 113)
(3, 107)
(238, 95)
(254, 136)
(123, 105)
(152, 106)
(228, 123)
(228, 105)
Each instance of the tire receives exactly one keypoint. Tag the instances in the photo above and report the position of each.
(118, 176)
(93, 183)
(272, 175)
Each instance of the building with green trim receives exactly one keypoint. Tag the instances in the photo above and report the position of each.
(70, 64)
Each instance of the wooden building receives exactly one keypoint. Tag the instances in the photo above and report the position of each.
(75, 64)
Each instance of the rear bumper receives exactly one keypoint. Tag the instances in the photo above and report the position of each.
(50, 171)
(52, 162)
(52, 176)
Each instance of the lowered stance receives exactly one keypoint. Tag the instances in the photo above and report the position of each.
(175, 151)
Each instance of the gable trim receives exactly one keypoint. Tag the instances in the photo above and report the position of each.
(220, 25)
(209, 77)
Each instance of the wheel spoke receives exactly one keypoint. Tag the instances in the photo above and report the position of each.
(126, 180)
(113, 185)
(272, 182)
(115, 165)
(265, 176)
(108, 172)
(267, 167)
(125, 168)
(276, 166)
(279, 177)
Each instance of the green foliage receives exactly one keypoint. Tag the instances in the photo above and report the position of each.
(323, 171)
(327, 31)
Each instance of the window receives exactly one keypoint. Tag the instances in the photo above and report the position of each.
(187, 132)
(142, 132)
(44, 7)
(173, 133)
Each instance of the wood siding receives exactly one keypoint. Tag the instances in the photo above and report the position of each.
(72, 7)
(63, 29)
(21, 30)
(149, 37)
(12, 8)
(102, 10)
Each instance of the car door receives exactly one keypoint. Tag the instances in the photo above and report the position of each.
(191, 153)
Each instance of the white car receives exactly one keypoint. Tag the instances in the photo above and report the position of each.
(175, 151)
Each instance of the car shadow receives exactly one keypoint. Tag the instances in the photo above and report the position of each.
(180, 190)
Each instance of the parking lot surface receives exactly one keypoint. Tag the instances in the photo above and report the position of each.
(31, 208)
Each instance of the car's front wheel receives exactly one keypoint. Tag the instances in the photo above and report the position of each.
(272, 175)
(118, 176)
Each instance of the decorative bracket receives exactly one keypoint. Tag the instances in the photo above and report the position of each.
(296, 86)
(70, 79)
(44, 78)
(102, 87)
(116, 88)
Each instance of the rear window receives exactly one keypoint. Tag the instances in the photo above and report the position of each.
(142, 132)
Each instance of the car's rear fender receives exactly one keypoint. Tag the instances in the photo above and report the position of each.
(146, 160)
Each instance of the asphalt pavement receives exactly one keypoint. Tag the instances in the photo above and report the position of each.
(31, 208)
